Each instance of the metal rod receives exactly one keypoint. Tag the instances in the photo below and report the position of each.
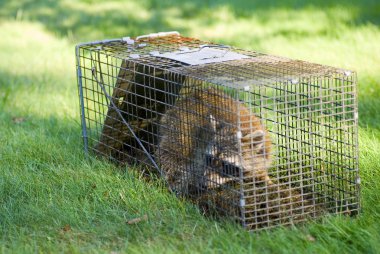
(155, 35)
(109, 98)
(81, 102)
(97, 42)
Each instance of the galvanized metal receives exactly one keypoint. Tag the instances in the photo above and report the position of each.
(81, 101)
(262, 139)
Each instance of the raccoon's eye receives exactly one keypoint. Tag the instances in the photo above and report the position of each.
(221, 126)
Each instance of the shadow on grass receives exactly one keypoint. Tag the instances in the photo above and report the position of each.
(44, 141)
(117, 19)
(68, 19)
(19, 124)
(367, 11)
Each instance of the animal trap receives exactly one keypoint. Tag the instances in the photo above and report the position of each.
(262, 139)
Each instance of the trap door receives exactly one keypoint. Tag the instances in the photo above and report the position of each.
(141, 93)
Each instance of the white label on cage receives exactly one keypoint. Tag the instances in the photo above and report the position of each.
(203, 56)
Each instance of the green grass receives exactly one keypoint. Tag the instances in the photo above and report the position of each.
(53, 200)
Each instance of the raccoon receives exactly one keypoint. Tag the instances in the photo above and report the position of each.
(207, 139)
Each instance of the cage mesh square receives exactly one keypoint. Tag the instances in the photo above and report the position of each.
(262, 139)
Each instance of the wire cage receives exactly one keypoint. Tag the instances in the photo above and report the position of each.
(261, 139)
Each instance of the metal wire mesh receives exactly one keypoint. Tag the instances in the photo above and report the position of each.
(264, 140)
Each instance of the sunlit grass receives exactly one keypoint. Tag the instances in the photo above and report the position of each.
(53, 199)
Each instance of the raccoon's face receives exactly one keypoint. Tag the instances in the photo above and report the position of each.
(242, 151)
(227, 145)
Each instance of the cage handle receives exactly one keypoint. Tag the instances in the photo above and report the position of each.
(155, 35)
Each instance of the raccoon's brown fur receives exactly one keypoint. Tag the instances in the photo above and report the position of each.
(209, 123)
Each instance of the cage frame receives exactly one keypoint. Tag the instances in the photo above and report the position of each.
(131, 41)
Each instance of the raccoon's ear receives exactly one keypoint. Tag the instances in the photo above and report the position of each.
(257, 136)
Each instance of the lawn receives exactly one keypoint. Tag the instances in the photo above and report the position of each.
(54, 200)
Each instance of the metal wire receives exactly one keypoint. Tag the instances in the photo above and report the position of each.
(127, 124)
(264, 140)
